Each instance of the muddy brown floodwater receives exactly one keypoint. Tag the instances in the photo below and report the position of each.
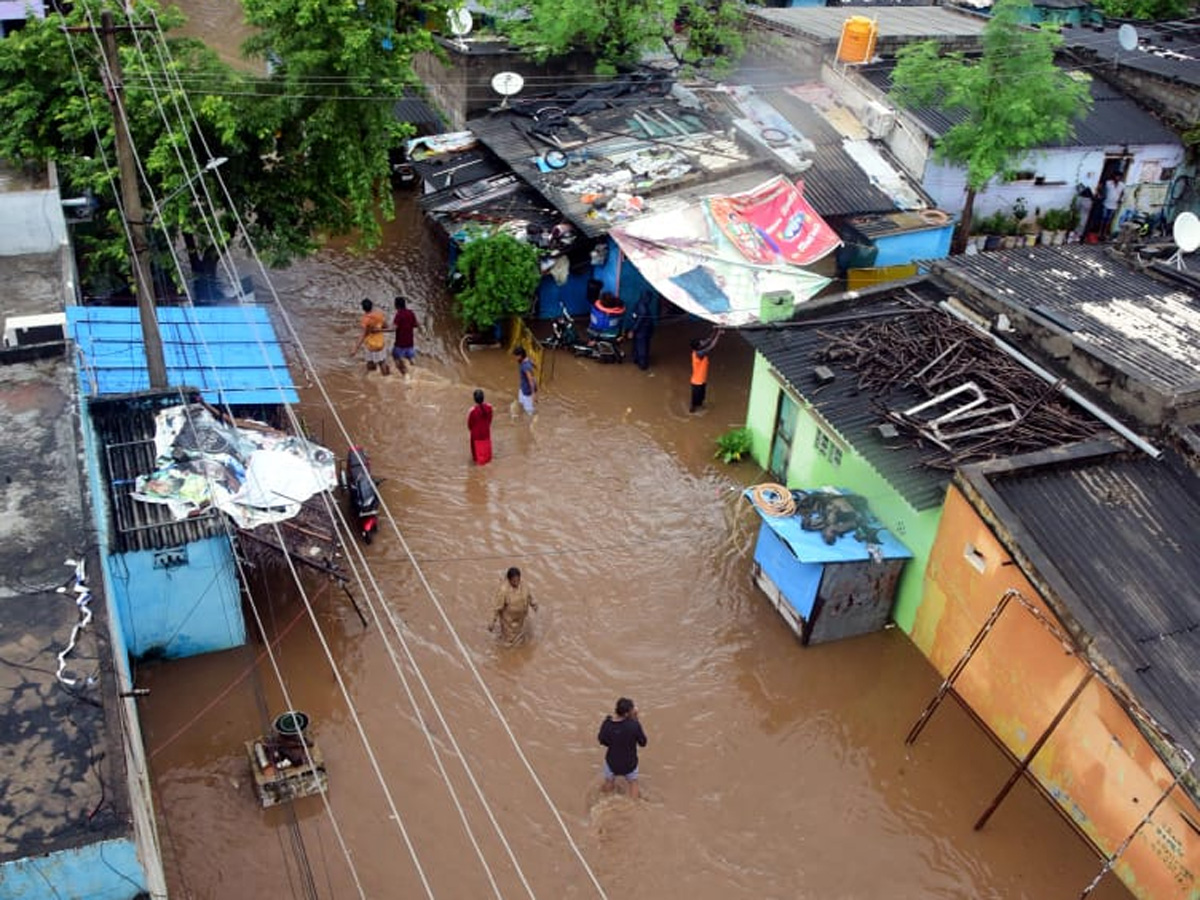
(772, 770)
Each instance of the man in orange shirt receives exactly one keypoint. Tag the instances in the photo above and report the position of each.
(701, 347)
(372, 338)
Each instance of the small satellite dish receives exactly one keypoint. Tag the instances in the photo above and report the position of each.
(1186, 232)
(507, 83)
(1127, 37)
(460, 22)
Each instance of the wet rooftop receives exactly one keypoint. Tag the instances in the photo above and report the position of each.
(1114, 118)
(1146, 328)
(1140, 608)
(823, 24)
(588, 149)
(1169, 50)
(893, 350)
(62, 782)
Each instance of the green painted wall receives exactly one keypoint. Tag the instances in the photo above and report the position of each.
(808, 468)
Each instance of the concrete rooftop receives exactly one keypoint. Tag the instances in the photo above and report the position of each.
(62, 779)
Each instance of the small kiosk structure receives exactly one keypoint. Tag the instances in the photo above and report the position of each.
(825, 564)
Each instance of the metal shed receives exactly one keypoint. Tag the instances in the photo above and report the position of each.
(826, 591)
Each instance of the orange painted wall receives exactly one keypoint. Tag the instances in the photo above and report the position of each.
(1097, 765)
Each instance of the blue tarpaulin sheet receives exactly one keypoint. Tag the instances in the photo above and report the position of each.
(699, 282)
(230, 353)
(810, 547)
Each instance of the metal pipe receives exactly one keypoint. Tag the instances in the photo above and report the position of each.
(946, 685)
(1112, 860)
(1034, 750)
(1050, 378)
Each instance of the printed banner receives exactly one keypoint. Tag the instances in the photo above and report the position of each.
(772, 224)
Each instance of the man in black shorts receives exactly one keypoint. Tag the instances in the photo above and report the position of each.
(622, 734)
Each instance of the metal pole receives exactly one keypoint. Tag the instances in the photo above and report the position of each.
(1033, 751)
(132, 201)
(946, 685)
(1112, 860)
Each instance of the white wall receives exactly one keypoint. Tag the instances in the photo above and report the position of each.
(1061, 170)
(906, 141)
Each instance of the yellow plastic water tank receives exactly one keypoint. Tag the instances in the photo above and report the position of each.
(858, 40)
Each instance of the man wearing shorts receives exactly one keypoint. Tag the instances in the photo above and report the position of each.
(622, 734)
(527, 388)
(405, 324)
(372, 339)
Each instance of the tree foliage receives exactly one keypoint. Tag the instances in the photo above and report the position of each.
(498, 275)
(1148, 10)
(1007, 101)
(326, 112)
(306, 148)
(619, 32)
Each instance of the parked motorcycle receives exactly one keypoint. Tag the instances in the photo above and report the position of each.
(360, 488)
(603, 337)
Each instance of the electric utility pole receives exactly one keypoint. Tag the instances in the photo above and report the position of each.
(132, 201)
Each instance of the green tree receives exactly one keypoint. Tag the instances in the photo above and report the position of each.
(1150, 10)
(326, 110)
(498, 275)
(1011, 99)
(306, 148)
(619, 32)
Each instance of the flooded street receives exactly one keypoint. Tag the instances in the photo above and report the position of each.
(772, 770)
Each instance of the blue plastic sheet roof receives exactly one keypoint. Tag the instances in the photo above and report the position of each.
(230, 353)
(810, 547)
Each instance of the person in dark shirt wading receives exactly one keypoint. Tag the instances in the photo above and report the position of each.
(622, 734)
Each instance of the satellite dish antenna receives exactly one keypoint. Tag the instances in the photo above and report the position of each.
(460, 23)
(1127, 37)
(506, 84)
(1186, 234)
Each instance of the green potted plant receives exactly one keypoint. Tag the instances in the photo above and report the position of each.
(733, 445)
(495, 277)
(996, 226)
(1056, 223)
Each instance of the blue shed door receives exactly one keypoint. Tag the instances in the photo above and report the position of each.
(781, 442)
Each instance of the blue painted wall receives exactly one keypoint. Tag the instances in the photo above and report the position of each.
(606, 274)
(108, 870)
(551, 296)
(179, 611)
(931, 243)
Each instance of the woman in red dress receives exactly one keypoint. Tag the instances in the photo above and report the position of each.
(479, 426)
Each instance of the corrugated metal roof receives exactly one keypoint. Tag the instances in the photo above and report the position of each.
(230, 353)
(451, 170)
(1145, 327)
(835, 184)
(794, 351)
(823, 24)
(1119, 530)
(416, 111)
(603, 123)
(1169, 50)
(125, 434)
(1114, 118)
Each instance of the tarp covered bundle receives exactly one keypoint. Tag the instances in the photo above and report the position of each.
(255, 475)
(717, 260)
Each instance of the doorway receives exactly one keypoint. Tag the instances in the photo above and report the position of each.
(786, 413)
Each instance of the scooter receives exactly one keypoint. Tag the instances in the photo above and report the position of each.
(360, 488)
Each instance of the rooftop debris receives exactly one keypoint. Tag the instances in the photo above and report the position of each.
(980, 404)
